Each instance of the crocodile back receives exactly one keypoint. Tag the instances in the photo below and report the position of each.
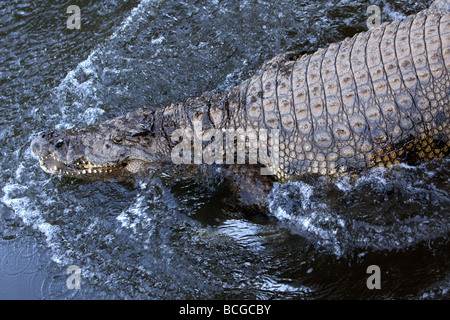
(378, 98)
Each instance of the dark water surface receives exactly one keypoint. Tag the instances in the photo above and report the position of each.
(167, 235)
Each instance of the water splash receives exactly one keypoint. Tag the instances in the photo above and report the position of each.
(383, 210)
(82, 96)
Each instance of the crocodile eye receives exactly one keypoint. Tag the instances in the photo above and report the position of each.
(117, 140)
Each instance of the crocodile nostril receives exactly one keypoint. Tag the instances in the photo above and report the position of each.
(46, 134)
(59, 143)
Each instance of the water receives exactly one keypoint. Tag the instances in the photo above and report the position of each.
(167, 235)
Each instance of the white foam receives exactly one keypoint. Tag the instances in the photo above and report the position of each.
(26, 210)
(298, 205)
(18, 204)
(158, 40)
(133, 215)
(90, 114)
(137, 213)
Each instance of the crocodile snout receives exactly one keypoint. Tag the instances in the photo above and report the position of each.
(40, 145)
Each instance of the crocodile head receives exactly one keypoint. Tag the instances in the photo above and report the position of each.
(126, 144)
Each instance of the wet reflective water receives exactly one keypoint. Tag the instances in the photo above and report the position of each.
(168, 235)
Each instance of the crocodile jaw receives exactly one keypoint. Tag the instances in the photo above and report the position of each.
(83, 167)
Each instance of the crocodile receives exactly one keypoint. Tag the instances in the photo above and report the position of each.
(376, 99)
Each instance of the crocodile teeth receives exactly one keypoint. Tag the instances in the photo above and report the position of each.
(79, 167)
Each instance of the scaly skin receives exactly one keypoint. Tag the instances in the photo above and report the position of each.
(376, 99)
